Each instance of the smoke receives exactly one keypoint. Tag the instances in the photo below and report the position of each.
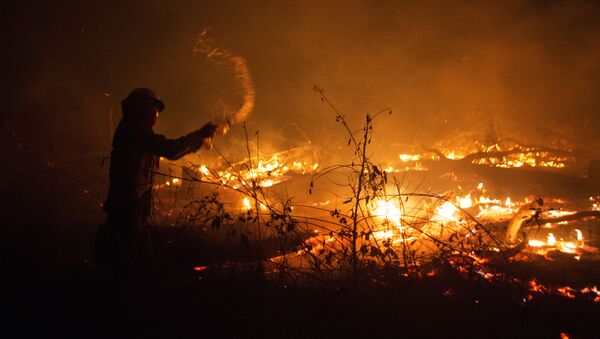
(530, 69)
(206, 45)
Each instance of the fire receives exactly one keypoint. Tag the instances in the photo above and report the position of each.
(446, 219)
(265, 173)
(536, 243)
(557, 213)
(566, 291)
(495, 212)
(246, 205)
(465, 202)
(594, 291)
(551, 243)
(202, 169)
(579, 236)
(409, 157)
(501, 154)
(381, 235)
(551, 239)
(387, 210)
(452, 155)
(445, 212)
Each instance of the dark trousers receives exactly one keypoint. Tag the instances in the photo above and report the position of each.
(122, 243)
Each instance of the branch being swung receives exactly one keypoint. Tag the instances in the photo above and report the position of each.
(205, 45)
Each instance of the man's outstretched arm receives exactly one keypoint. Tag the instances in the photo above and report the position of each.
(174, 149)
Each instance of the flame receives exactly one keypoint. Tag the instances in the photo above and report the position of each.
(551, 243)
(265, 173)
(202, 169)
(409, 157)
(537, 287)
(445, 212)
(387, 210)
(487, 200)
(465, 202)
(269, 172)
(246, 205)
(579, 235)
(381, 235)
(557, 213)
(495, 212)
(551, 239)
(568, 247)
(565, 291)
(502, 155)
(536, 243)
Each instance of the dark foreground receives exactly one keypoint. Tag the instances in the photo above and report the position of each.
(234, 301)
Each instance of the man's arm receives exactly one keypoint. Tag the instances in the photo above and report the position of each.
(174, 149)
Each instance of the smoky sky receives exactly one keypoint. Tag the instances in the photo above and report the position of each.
(531, 68)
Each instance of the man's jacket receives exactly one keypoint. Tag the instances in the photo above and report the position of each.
(134, 155)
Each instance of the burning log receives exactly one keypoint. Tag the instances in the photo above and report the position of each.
(525, 214)
(530, 214)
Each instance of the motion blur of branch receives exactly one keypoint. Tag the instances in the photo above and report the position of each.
(207, 46)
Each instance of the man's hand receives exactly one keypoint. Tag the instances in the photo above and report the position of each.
(208, 131)
(222, 127)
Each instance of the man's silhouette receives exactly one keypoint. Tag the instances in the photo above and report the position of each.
(135, 154)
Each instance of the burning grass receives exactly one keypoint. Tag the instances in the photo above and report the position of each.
(362, 224)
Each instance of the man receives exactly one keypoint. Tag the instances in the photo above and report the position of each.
(135, 154)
